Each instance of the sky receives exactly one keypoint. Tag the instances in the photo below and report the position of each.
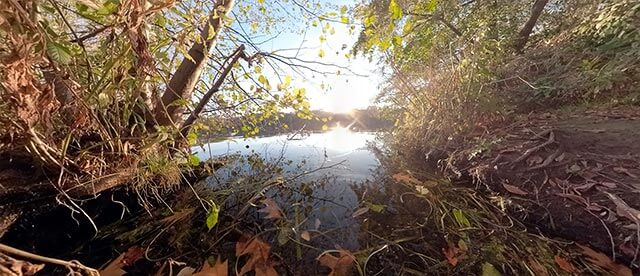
(344, 92)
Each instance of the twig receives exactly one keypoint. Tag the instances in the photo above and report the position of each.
(68, 264)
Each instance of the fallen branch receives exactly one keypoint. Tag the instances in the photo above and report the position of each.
(68, 264)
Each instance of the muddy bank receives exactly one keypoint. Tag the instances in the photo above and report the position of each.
(569, 175)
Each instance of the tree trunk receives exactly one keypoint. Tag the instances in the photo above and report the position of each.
(183, 81)
(525, 32)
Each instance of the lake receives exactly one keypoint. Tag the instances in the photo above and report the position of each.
(330, 163)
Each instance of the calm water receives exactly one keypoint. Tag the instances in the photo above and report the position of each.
(331, 163)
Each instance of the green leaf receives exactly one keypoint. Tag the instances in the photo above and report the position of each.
(344, 19)
(321, 53)
(263, 80)
(343, 9)
(375, 207)
(59, 52)
(192, 138)
(212, 217)
(461, 218)
(490, 270)
(194, 160)
(432, 5)
(395, 10)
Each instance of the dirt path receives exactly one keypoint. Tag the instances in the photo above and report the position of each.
(575, 177)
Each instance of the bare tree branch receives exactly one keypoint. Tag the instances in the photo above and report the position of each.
(183, 81)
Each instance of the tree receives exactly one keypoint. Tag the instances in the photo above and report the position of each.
(525, 32)
(92, 92)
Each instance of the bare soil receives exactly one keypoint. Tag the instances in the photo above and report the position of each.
(573, 176)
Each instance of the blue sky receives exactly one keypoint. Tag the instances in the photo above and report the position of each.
(329, 92)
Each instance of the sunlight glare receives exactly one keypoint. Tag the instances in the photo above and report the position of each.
(343, 139)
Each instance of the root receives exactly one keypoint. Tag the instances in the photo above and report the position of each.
(547, 161)
(551, 140)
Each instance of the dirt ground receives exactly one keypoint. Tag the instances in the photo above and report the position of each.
(573, 176)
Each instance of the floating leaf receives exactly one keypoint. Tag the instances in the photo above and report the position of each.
(114, 268)
(212, 217)
(514, 190)
(340, 266)
(490, 270)
(218, 269)
(305, 235)
(375, 207)
(271, 209)
(258, 261)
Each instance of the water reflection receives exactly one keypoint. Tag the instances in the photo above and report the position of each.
(322, 169)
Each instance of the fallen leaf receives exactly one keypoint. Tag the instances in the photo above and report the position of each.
(534, 160)
(114, 268)
(605, 262)
(574, 168)
(340, 266)
(317, 224)
(421, 189)
(186, 271)
(460, 218)
(406, 178)
(451, 253)
(258, 261)
(564, 264)
(624, 171)
(132, 255)
(560, 157)
(623, 209)
(514, 190)
(490, 270)
(360, 212)
(271, 209)
(305, 235)
(219, 269)
(537, 268)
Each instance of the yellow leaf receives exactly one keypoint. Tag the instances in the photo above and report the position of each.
(305, 235)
